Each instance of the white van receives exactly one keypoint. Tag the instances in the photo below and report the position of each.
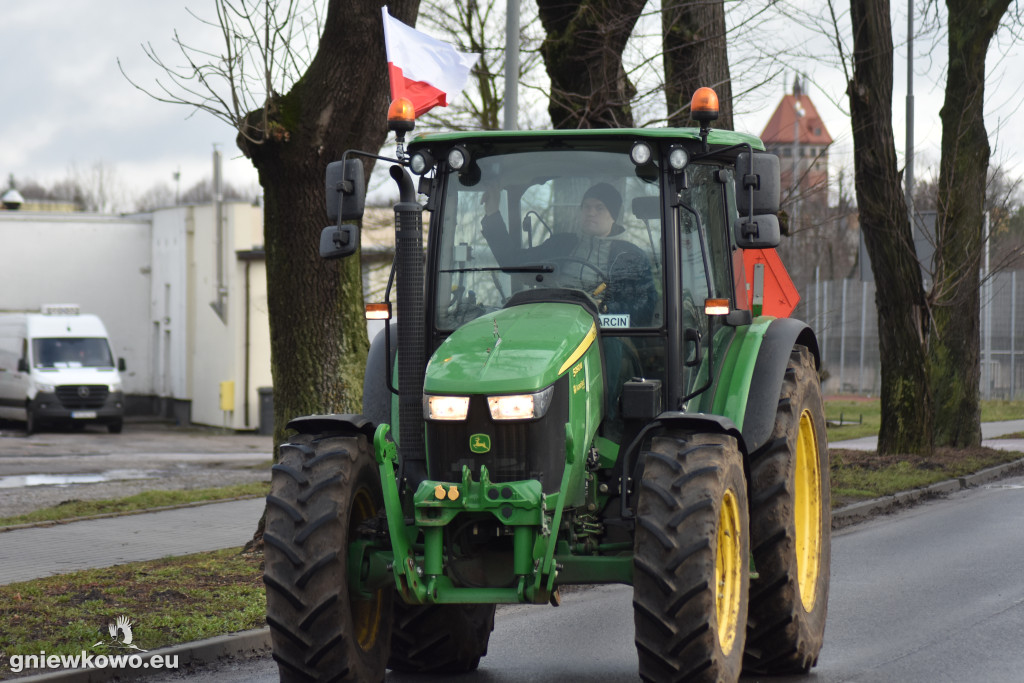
(57, 367)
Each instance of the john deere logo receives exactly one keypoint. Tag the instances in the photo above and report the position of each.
(480, 443)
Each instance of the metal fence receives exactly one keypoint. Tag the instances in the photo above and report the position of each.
(842, 314)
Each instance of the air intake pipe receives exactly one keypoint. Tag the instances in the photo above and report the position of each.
(412, 356)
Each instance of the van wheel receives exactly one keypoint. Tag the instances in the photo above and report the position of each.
(115, 427)
(31, 424)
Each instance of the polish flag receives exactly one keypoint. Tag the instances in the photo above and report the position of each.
(425, 70)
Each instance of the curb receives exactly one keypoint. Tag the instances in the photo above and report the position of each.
(243, 643)
(859, 512)
(123, 513)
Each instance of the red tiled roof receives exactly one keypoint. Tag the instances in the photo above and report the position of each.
(780, 125)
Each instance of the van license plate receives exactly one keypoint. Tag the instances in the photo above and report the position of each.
(83, 414)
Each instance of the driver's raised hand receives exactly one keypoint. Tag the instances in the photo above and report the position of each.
(490, 200)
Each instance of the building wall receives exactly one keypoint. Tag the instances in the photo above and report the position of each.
(219, 347)
(102, 263)
(152, 278)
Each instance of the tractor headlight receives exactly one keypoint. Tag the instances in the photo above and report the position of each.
(640, 154)
(421, 162)
(677, 158)
(447, 407)
(521, 406)
(458, 158)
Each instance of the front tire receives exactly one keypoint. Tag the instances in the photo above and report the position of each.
(322, 491)
(791, 523)
(440, 639)
(31, 423)
(691, 557)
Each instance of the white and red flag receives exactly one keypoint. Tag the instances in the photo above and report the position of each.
(425, 70)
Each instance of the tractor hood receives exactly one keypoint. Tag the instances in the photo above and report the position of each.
(519, 349)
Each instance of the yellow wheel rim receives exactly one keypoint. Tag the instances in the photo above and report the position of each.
(366, 614)
(728, 571)
(807, 512)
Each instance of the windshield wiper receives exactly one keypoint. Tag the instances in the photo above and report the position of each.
(534, 268)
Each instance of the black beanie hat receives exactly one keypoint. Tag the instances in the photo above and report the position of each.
(608, 196)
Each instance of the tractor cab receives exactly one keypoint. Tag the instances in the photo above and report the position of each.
(640, 228)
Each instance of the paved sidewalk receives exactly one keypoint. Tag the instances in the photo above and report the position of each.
(27, 554)
(989, 432)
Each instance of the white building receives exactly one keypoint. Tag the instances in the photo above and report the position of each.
(152, 279)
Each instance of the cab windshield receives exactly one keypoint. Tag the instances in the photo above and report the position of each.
(72, 352)
(568, 216)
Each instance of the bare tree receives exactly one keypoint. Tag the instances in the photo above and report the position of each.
(300, 86)
(954, 349)
(695, 54)
(478, 26)
(903, 318)
(583, 55)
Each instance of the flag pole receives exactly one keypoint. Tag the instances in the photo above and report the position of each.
(512, 65)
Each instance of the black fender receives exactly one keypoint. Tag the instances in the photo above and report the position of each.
(376, 395)
(702, 422)
(690, 422)
(318, 424)
(769, 370)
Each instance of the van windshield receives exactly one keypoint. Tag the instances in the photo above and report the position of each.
(72, 352)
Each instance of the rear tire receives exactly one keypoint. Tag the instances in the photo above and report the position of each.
(691, 560)
(791, 523)
(440, 639)
(322, 489)
(115, 427)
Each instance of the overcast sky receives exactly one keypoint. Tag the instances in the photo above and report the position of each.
(65, 102)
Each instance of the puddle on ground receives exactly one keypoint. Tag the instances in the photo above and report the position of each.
(22, 480)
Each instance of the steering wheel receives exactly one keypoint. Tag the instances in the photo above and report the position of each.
(572, 259)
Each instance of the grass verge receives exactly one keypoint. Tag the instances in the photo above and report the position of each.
(863, 475)
(140, 501)
(866, 414)
(170, 601)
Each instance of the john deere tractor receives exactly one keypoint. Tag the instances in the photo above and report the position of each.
(576, 384)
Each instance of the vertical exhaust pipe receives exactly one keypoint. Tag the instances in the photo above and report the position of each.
(412, 357)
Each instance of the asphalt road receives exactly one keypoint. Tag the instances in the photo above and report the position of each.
(934, 593)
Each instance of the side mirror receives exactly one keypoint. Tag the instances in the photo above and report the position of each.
(647, 208)
(121, 366)
(345, 190)
(765, 181)
(761, 232)
(22, 365)
(339, 241)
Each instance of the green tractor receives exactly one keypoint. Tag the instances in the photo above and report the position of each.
(578, 387)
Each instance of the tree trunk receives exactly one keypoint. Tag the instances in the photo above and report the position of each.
(695, 55)
(902, 319)
(318, 340)
(583, 55)
(954, 351)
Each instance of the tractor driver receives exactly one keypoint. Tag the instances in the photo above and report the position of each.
(629, 288)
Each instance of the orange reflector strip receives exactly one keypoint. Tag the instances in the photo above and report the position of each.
(716, 306)
(378, 311)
